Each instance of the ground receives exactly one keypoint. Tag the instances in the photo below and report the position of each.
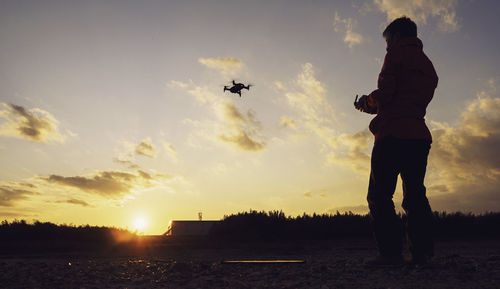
(329, 264)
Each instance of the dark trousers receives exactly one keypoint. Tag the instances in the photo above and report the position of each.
(408, 157)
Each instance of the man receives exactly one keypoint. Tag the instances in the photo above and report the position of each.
(406, 85)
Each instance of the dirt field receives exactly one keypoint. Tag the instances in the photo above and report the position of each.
(329, 264)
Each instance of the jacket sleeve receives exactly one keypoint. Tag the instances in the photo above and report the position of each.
(386, 80)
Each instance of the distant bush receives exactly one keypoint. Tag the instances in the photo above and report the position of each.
(274, 225)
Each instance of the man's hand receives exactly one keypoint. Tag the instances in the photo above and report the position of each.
(364, 104)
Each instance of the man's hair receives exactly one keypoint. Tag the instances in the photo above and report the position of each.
(403, 25)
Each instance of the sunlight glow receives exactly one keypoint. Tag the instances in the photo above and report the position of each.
(140, 223)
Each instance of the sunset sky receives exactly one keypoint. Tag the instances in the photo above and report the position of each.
(113, 111)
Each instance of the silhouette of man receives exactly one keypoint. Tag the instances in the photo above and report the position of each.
(406, 85)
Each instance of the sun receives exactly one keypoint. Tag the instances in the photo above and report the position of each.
(139, 224)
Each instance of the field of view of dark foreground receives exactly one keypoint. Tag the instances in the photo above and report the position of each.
(331, 249)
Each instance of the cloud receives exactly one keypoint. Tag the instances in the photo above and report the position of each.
(476, 201)
(75, 202)
(169, 147)
(111, 184)
(464, 159)
(169, 151)
(311, 194)
(145, 148)
(306, 97)
(102, 188)
(346, 26)
(9, 195)
(129, 164)
(203, 95)
(287, 122)
(353, 150)
(227, 66)
(438, 188)
(421, 10)
(130, 149)
(177, 84)
(24, 184)
(242, 140)
(16, 214)
(279, 86)
(241, 130)
(36, 125)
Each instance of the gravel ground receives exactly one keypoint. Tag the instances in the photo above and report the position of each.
(329, 264)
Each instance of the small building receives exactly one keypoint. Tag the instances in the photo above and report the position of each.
(189, 228)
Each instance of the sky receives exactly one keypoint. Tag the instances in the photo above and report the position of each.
(113, 112)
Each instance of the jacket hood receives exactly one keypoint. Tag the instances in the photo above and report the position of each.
(407, 41)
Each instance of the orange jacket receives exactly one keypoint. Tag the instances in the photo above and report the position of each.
(406, 85)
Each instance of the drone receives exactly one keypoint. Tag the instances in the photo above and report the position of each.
(237, 87)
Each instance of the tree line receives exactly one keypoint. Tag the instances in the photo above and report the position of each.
(253, 225)
(31, 238)
(273, 225)
(42, 231)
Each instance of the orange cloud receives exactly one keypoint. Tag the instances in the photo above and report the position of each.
(75, 202)
(9, 195)
(464, 163)
(112, 184)
(353, 150)
(242, 130)
(36, 125)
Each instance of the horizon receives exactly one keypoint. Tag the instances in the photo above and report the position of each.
(113, 113)
(245, 215)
